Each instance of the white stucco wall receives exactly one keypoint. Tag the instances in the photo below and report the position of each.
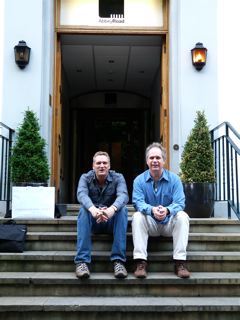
(27, 87)
(215, 88)
(191, 90)
(1, 53)
(33, 22)
(228, 62)
(21, 87)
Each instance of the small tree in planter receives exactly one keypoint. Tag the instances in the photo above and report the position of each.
(29, 167)
(29, 162)
(197, 170)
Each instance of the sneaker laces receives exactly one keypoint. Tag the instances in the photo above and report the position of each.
(83, 267)
(119, 267)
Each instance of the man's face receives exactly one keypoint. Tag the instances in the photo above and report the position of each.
(101, 166)
(155, 161)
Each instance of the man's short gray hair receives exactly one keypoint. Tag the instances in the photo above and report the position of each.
(101, 153)
(156, 145)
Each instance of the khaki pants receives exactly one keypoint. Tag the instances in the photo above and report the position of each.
(144, 226)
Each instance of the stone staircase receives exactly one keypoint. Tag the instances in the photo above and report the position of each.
(41, 284)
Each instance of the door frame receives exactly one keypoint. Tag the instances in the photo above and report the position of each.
(56, 110)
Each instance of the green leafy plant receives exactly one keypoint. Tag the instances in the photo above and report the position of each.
(197, 162)
(28, 161)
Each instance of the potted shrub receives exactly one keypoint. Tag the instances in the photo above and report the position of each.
(30, 170)
(29, 164)
(197, 170)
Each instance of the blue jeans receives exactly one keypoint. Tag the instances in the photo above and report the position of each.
(86, 224)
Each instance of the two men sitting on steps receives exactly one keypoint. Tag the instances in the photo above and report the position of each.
(158, 199)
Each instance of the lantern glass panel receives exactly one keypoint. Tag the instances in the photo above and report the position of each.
(199, 55)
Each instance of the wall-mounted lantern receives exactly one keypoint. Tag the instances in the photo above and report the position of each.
(22, 54)
(199, 56)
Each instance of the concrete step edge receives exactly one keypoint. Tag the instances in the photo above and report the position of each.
(42, 235)
(123, 304)
(161, 278)
(161, 255)
(73, 219)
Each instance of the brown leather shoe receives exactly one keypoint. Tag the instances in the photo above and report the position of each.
(141, 269)
(181, 269)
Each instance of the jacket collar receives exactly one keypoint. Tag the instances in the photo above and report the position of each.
(92, 176)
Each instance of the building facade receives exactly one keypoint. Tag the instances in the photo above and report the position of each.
(117, 80)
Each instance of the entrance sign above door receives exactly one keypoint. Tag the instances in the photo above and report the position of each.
(118, 13)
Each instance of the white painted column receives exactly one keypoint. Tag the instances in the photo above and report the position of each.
(1, 55)
(229, 62)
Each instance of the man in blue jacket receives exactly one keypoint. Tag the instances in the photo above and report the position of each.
(103, 195)
(159, 202)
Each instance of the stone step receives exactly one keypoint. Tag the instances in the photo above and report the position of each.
(73, 209)
(197, 241)
(164, 284)
(62, 261)
(214, 225)
(69, 224)
(120, 308)
(41, 282)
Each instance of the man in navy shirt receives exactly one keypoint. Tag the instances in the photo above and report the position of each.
(159, 201)
(103, 195)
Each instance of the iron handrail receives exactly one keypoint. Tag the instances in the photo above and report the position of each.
(6, 139)
(225, 142)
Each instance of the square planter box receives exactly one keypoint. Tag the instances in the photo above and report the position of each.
(33, 202)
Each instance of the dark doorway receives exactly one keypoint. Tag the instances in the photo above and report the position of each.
(111, 100)
(120, 132)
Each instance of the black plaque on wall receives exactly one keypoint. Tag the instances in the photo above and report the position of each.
(108, 8)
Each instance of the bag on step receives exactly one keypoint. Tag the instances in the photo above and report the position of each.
(12, 236)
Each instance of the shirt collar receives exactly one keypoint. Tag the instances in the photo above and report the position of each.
(163, 176)
(108, 179)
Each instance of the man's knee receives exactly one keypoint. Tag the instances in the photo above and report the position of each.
(138, 218)
(122, 214)
(84, 215)
(123, 211)
(182, 217)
